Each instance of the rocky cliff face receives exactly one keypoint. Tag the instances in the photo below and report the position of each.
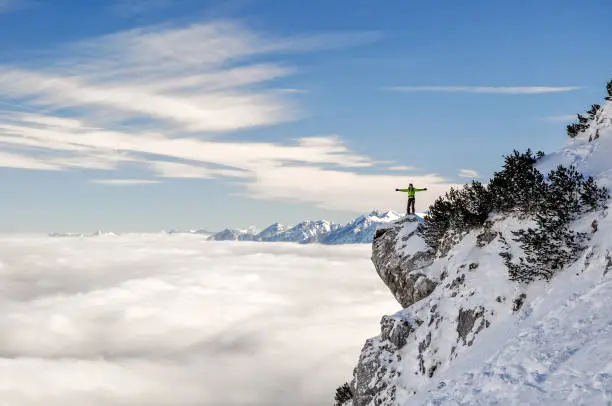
(448, 301)
(398, 254)
(462, 316)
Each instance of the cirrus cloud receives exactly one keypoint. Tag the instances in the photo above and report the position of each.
(123, 182)
(468, 173)
(485, 89)
(160, 97)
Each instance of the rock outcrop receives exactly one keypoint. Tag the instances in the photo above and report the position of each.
(398, 254)
(446, 307)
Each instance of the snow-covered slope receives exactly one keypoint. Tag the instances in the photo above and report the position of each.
(271, 232)
(360, 230)
(590, 152)
(229, 234)
(557, 350)
(467, 335)
(305, 232)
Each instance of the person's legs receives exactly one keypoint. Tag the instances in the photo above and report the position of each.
(411, 205)
(408, 207)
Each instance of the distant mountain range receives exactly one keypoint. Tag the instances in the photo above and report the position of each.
(359, 230)
(98, 233)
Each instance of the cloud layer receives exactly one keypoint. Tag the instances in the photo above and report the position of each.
(173, 320)
(485, 89)
(468, 173)
(160, 97)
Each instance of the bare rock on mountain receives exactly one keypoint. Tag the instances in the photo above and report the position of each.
(398, 253)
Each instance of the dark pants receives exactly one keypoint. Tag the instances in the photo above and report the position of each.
(410, 204)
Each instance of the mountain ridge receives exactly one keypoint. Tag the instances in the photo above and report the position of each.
(360, 230)
(468, 333)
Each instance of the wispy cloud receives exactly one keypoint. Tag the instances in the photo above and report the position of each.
(188, 84)
(401, 168)
(22, 161)
(292, 91)
(484, 89)
(125, 182)
(194, 79)
(468, 173)
(13, 5)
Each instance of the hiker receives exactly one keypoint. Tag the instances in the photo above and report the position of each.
(411, 196)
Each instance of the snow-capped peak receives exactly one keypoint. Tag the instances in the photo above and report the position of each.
(359, 230)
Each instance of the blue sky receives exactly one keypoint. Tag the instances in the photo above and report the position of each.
(148, 115)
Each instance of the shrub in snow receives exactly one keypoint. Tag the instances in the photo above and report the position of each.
(575, 129)
(343, 394)
(519, 185)
(437, 221)
(552, 244)
(519, 188)
(593, 111)
(592, 197)
(460, 210)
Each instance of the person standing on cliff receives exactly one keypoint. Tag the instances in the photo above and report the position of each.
(411, 196)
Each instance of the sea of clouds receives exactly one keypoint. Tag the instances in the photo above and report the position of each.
(176, 320)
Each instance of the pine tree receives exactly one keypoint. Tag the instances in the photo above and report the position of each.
(573, 130)
(552, 244)
(553, 202)
(563, 194)
(592, 197)
(343, 394)
(437, 221)
(477, 204)
(582, 119)
(593, 111)
(519, 185)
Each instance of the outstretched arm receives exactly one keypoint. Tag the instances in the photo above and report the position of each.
(420, 190)
(401, 190)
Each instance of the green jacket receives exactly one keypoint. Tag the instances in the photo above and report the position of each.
(411, 192)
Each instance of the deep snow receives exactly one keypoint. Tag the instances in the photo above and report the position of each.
(557, 350)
